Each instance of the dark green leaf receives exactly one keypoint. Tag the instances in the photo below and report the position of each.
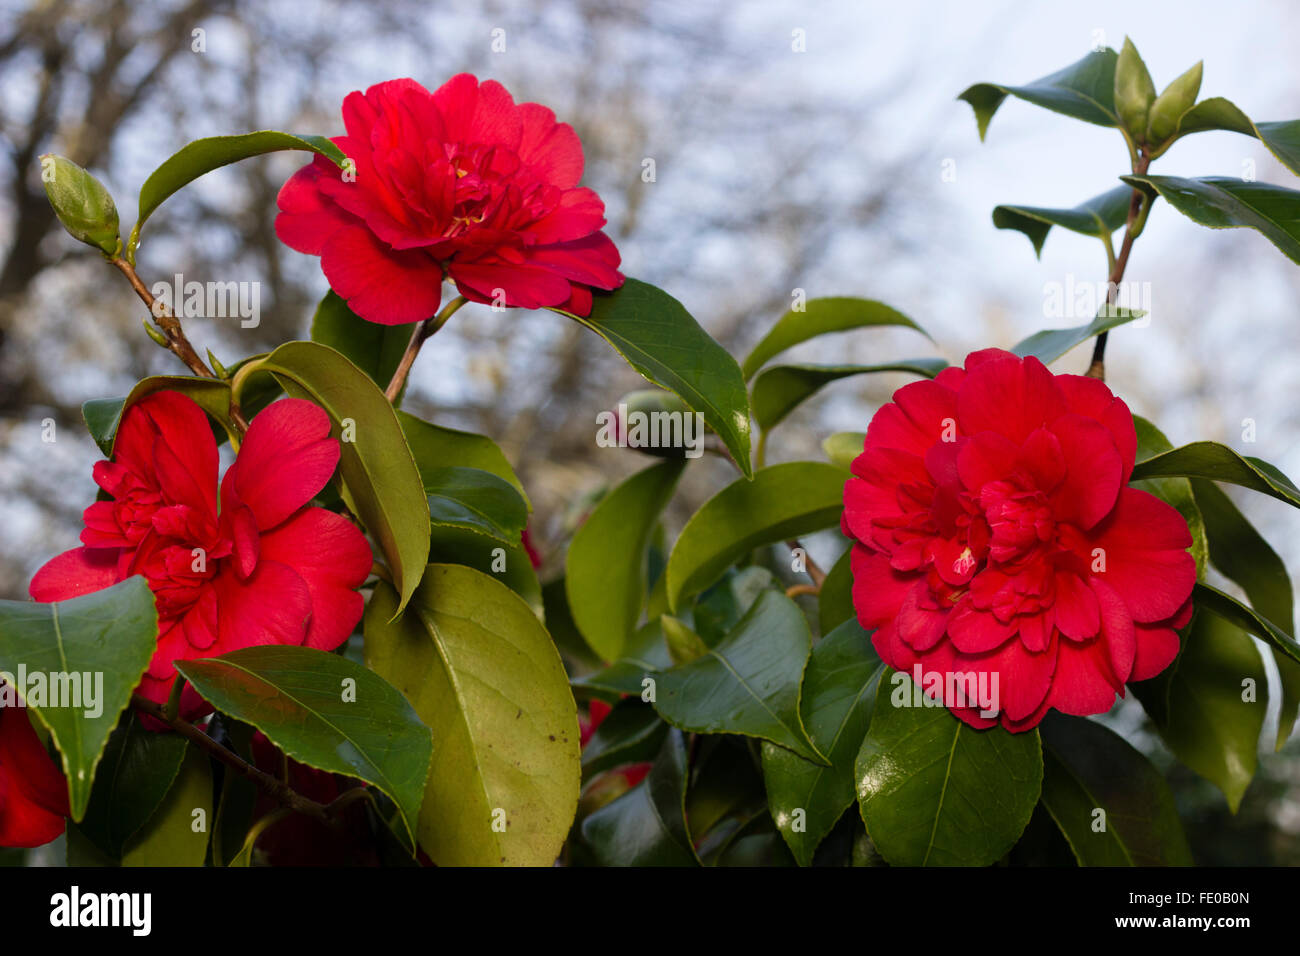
(1084, 90)
(508, 563)
(434, 446)
(835, 600)
(839, 691)
(133, 777)
(605, 571)
(177, 833)
(104, 415)
(1207, 459)
(936, 792)
(1175, 491)
(324, 711)
(645, 654)
(1048, 345)
(781, 502)
(483, 674)
(1242, 555)
(1099, 216)
(477, 500)
(647, 825)
(1216, 113)
(381, 483)
(375, 349)
(820, 317)
(662, 341)
(1223, 203)
(1206, 722)
(781, 389)
(750, 683)
(204, 155)
(631, 733)
(1248, 619)
(1086, 769)
(110, 633)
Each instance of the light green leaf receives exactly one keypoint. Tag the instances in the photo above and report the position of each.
(821, 317)
(434, 446)
(477, 500)
(482, 672)
(177, 833)
(782, 501)
(605, 571)
(381, 483)
(843, 447)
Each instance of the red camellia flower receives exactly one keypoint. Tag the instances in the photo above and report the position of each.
(264, 568)
(461, 184)
(996, 538)
(33, 794)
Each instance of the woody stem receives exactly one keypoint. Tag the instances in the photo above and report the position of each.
(423, 331)
(281, 791)
(1132, 227)
(170, 326)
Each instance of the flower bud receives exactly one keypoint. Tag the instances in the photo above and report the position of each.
(1134, 92)
(82, 203)
(1169, 107)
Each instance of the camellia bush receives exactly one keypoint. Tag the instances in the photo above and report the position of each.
(337, 648)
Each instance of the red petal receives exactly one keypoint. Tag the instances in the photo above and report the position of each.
(74, 573)
(1008, 395)
(285, 459)
(878, 590)
(271, 607)
(1144, 542)
(381, 284)
(1093, 471)
(332, 558)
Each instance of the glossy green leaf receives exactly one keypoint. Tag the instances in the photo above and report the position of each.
(104, 415)
(780, 389)
(839, 692)
(1248, 619)
(647, 825)
(645, 654)
(475, 499)
(1099, 216)
(1048, 345)
(1084, 90)
(324, 711)
(133, 777)
(1216, 113)
(718, 609)
(821, 317)
(749, 683)
(483, 674)
(842, 448)
(1086, 769)
(204, 155)
(508, 563)
(434, 447)
(935, 792)
(110, 633)
(177, 833)
(1206, 722)
(605, 570)
(835, 599)
(381, 483)
(781, 502)
(631, 733)
(1221, 202)
(1175, 491)
(1241, 554)
(664, 343)
(1207, 459)
(375, 349)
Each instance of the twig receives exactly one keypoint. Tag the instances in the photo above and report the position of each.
(810, 566)
(282, 792)
(1097, 368)
(422, 332)
(173, 334)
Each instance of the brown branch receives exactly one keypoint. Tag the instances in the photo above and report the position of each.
(816, 573)
(422, 333)
(281, 791)
(170, 326)
(1097, 368)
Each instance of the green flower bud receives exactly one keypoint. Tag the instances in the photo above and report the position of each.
(1134, 92)
(1169, 107)
(82, 204)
